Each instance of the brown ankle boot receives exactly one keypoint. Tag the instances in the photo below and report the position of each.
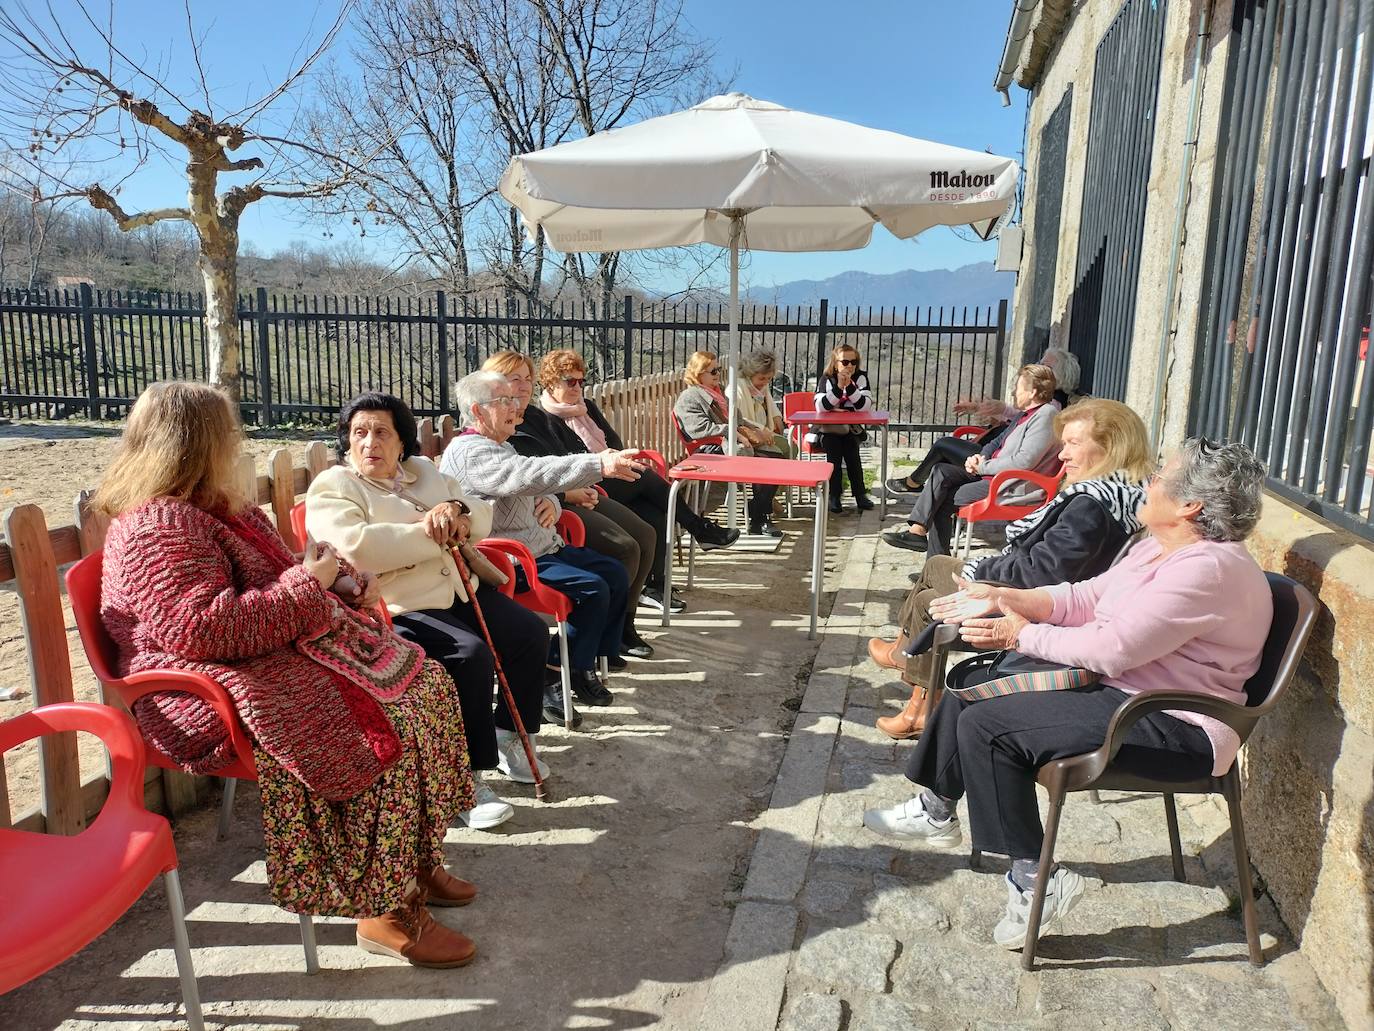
(410, 933)
(909, 722)
(441, 888)
(888, 653)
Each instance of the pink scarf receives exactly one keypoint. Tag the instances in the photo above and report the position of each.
(576, 416)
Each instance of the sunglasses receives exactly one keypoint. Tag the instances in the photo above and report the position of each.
(575, 381)
(849, 361)
(713, 372)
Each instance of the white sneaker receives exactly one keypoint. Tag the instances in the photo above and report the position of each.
(910, 820)
(1061, 895)
(511, 757)
(490, 811)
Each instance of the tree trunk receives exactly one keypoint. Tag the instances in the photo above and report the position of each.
(219, 270)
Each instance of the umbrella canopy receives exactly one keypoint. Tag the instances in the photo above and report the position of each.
(740, 172)
(801, 182)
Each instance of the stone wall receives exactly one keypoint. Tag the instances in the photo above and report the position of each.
(1309, 770)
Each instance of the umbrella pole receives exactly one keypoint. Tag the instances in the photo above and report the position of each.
(731, 392)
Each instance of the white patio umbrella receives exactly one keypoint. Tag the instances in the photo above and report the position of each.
(739, 172)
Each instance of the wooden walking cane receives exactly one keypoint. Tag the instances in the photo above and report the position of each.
(540, 792)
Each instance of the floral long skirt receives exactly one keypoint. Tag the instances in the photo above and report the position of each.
(354, 858)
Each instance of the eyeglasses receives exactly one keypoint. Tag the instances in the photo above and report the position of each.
(849, 361)
(503, 401)
(575, 381)
(713, 372)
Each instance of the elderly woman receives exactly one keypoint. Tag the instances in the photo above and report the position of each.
(702, 412)
(1186, 610)
(757, 409)
(483, 462)
(580, 428)
(387, 509)
(612, 529)
(1029, 444)
(357, 737)
(1106, 456)
(994, 412)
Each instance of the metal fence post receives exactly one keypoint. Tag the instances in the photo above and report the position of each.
(999, 360)
(87, 301)
(441, 325)
(628, 335)
(264, 358)
(822, 354)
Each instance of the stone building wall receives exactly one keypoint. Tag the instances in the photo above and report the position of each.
(1309, 769)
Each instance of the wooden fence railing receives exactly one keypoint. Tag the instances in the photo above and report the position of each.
(32, 554)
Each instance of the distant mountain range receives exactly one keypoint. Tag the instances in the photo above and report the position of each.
(977, 285)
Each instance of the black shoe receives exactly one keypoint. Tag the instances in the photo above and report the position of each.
(712, 536)
(835, 507)
(616, 664)
(863, 502)
(910, 541)
(652, 598)
(901, 486)
(553, 705)
(764, 529)
(636, 647)
(589, 688)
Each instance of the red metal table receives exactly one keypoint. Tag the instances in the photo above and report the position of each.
(781, 472)
(842, 418)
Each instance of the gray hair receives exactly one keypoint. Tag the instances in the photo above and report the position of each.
(1065, 365)
(1227, 480)
(473, 389)
(756, 362)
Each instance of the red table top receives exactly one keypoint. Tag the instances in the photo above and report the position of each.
(782, 472)
(868, 417)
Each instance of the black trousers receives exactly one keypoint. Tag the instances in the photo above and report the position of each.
(454, 638)
(647, 497)
(954, 450)
(992, 749)
(842, 451)
(948, 489)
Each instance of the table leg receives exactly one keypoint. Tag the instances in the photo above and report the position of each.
(668, 554)
(818, 556)
(882, 479)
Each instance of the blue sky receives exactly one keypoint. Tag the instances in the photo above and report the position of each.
(920, 67)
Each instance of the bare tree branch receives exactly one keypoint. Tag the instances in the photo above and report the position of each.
(103, 201)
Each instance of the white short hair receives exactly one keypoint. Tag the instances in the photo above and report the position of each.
(1065, 365)
(473, 389)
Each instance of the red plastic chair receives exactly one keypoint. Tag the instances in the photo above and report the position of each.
(792, 403)
(987, 509)
(969, 431)
(58, 894)
(693, 446)
(83, 588)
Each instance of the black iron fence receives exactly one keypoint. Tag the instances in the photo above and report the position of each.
(1283, 343)
(89, 353)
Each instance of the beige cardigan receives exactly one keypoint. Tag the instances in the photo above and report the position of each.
(380, 533)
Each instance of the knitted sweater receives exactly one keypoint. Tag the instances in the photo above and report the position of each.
(181, 590)
(514, 484)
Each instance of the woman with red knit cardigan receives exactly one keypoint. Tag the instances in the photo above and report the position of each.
(358, 739)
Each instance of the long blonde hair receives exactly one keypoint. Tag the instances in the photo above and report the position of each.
(698, 363)
(1117, 430)
(181, 441)
(832, 367)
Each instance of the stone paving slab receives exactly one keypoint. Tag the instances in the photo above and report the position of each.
(891, 935)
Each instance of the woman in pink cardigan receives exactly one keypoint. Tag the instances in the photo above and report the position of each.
(357, 737)
(1188, 609)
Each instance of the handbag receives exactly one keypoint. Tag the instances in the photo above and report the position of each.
(993, 674)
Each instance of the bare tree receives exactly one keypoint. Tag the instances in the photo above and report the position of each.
(100, 107)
